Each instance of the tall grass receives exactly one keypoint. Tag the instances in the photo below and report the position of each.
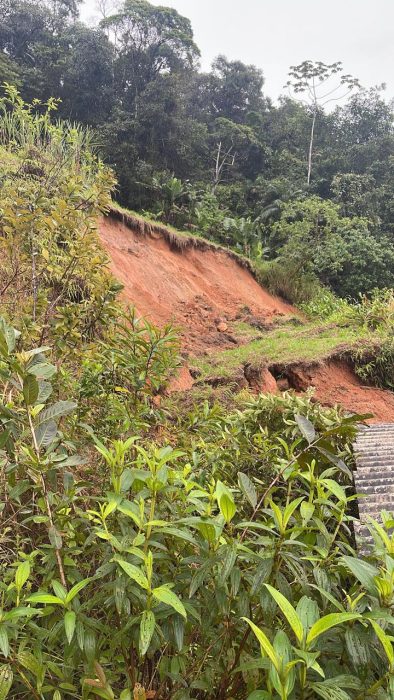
(30, 128)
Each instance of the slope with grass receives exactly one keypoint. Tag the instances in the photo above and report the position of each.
(234, 332)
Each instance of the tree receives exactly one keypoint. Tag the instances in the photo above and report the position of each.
(311, 79)
(149, 41)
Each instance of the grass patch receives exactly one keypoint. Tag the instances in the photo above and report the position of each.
(285, 344)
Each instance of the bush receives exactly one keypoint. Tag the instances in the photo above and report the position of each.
(286, 280)
(154, 578)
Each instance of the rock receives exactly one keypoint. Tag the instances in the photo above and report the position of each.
(222, 327)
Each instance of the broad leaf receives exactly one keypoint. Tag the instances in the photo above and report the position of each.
(147, 628)
(167, 596)
(6, 678)
(307, 429)
(134, 573)
(30, 389)
(248, 488)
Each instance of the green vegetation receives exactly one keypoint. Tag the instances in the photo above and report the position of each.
(306, 193)
(150, 551)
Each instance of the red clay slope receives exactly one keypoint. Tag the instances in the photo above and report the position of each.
(196, 289)
(199, 288)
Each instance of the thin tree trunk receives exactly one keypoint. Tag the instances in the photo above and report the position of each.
(311, 148)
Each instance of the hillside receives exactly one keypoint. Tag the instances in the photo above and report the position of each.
(233, 331)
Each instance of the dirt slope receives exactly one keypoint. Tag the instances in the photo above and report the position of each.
(196, 289)
(335, 383)
(200, 288)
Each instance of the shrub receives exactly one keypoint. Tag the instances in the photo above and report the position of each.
(158, 579)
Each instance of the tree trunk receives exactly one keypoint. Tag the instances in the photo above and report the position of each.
(311, 148)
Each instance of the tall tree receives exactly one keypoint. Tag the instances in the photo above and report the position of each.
(149, 41)
(313, 80)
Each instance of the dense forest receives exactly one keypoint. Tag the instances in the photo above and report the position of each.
(202, 544)
(210, 150)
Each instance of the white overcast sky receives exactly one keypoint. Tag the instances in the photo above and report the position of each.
(274, 34)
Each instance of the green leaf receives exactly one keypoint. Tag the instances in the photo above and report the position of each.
(20, 612)
(325, 623)
(6, 678)
(4, 642)
(29, 661)
(134, 573)
(69, 624)
(266, 647)
(288, 611)
(8, 336)
(59, 590)
(46, 433)
(336, 489)
(306, 509)
(227, 507)
(45, 598)
(76, 589)
(363, 571)
(30, 389)
(329, 693)
(55, 537)
(125, 695)
(248, 488)
(307, 429)
(147, 627)
(42, 370)
(289, 510)
(56, 411)
(22, 574)
(44, 391)
(229, 558)
(385, 642)
(165, 595)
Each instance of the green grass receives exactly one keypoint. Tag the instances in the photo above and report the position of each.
(285, 344)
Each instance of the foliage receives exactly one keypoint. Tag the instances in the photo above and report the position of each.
(175, 135)
(340, 251)
(106, 587)
(53, 190)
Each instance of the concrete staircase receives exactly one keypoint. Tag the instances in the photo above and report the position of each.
(374, 476)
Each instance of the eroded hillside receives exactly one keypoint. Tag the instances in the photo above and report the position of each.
(233, 331)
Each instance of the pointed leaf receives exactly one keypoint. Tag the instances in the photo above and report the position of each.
(325, 623)
(76, 589)
(248, 488)
(147, 627)
(165, 595)
(134, 573)
(266, 647)
(307, 429)
(6, 678)
(30, 389)
(22, 574)
(69, 624)
(4, 642)
(288, 611)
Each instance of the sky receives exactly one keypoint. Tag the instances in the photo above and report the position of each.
(274, 34)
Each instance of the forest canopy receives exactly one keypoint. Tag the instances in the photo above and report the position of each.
(211, 150)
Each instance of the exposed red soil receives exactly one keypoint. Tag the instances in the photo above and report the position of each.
(198, 290)
(202, 291)
(336, 383)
